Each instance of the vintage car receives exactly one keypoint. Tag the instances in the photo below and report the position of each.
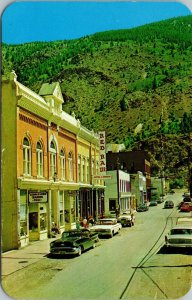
(153, 203)
(126, 218)
(106, 227)
(186, 207)
(169, 204)
(74, 242)
(142, 207)
(179, 236)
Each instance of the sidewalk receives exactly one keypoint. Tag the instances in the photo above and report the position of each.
(14, 260)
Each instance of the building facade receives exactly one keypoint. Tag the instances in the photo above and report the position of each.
(49, 160)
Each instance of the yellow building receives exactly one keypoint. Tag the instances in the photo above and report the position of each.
(48, 163)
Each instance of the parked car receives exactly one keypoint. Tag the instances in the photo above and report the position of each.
(184, 220)
(71, 246)
(187, 199)
(74, 242)
(126, 218)
(186, 207)
(153, 203)
(106, 227)
(179, 236)
(73, 233)
(168, 204)
(160, 200)
(142, 207)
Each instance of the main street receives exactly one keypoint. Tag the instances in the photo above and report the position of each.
(132, 265)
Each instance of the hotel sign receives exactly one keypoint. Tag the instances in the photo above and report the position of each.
(102, 147)
(38, 197)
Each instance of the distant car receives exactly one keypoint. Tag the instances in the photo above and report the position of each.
(179, 236)
(106, 227)
(160, 200)
(187, 199)
(172, 192)
(126, 219)
(168, 204)
(186, 207)
(142, 207)
(153, 203)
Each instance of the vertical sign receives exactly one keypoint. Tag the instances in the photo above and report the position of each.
(102, 153)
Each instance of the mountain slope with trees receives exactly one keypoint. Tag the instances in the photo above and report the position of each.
(134, 83)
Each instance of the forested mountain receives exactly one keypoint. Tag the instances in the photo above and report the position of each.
(134, 83)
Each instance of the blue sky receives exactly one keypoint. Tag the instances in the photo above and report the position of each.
(24, 22)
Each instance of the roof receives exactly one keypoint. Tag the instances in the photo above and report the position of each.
(47, 88)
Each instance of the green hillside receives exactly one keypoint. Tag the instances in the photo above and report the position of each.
(136, 84)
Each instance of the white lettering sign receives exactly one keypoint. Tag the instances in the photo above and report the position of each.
(102, 153)
(37, 197)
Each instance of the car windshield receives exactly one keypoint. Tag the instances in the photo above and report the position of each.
(181, 231)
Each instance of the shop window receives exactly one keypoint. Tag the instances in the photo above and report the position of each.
(26, 157)
(43, 221)
(70, 162)
(39, 159)
(23, 213)
(53, 159)
(61, 208)
(33, 221)
(62, 165)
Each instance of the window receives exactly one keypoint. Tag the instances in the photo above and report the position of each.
(39, 159)
(53, 159)
(26, 157)
(61, 207)
(88, 171)
(83, 174)
(79, 168)
(70, 162)
(62, 165)
(23, 212)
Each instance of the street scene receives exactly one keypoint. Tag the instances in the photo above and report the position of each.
(134, 264)
(96, 152)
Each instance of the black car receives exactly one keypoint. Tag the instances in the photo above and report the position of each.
(71, 247)
(142, 207)
(168, 204)
(153, 203)
(74, 242)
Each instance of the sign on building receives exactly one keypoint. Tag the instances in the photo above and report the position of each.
(102, 146)
(37, 197)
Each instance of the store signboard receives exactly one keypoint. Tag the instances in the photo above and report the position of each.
(38, 197)
(102, 153)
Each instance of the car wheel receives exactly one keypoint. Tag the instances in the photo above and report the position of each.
(112, 233)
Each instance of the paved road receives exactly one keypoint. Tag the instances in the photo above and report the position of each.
(131, 265)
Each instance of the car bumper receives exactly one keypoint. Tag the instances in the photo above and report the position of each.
(64, 252)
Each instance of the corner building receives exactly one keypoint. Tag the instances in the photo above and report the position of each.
(48, 163)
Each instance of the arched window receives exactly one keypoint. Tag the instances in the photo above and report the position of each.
(53, 160)
(70, 163)
(26, 157)
(62, 165)
(39, 159)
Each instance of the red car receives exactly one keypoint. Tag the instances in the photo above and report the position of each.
(186, 207)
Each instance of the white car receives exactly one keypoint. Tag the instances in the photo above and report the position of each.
(106, 227)
(179, 236)
(126, 219)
